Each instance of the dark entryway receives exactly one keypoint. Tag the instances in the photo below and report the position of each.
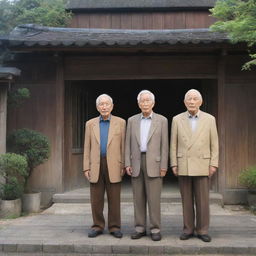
(80, 106)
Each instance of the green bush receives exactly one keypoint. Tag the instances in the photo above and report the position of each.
(31, 144)
(13, 168)
(247, 177)
(17, 97)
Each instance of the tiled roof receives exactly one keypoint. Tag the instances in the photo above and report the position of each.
(35, 36)
(9, 72)
(137, 4)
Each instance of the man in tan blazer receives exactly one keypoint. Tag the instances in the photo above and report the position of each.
(104, 165)
(146, 157)
(194, 159)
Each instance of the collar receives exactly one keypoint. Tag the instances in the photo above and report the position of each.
(197, 115)
(102, 120)
(149, 117)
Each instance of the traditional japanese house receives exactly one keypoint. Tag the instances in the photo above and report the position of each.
(121, 47)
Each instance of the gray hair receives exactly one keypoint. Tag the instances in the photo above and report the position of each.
(103, 95)
(196, 92)
(152, 96)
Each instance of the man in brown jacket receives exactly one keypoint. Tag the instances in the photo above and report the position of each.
(104, 165)
(194, 159)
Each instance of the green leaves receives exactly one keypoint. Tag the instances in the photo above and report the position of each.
(42, 12)
(238, 19)
(14, 169)
(31, 144)
(247, 178)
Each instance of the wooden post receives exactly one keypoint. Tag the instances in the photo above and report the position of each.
(59, 148)
(3, 117)
(221, 122)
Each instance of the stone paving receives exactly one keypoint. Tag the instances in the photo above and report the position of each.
(62, 230)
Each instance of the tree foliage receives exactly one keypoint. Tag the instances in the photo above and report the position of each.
(238, 19)
(31, 144)
(13, 168)
(42, 12)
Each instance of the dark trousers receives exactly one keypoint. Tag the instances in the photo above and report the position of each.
(195, 190)
(97, 200)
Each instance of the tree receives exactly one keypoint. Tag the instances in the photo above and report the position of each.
(42, 12)
(238, 19)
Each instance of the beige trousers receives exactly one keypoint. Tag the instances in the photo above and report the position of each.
(146, 190)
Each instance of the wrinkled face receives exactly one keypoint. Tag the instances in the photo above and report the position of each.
(193, 102)
(105, 107)
(146, 104)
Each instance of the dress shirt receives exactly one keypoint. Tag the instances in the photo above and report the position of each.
(104, 127)
(193, 120)
(145, 124)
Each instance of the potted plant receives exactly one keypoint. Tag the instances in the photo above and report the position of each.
(247, 178)
(35, 147)
(13, 170)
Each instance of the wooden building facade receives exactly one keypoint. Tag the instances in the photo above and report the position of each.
(120, 48)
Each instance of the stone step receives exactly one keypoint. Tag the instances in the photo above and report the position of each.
(83, 196)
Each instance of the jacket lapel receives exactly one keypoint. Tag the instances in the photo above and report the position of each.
(112, 128)
(199, 129)
(152, 126)
(137, 128)
(186, 125)
(96, 130)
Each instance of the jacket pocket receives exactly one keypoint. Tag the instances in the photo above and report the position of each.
(179, 154)
(207, 156)
(158, 159)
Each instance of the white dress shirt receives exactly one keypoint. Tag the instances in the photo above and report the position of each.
(193, 120)
(145, 124)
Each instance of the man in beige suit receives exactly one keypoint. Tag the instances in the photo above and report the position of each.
(194, 159)
(146, 157)
(104, 165)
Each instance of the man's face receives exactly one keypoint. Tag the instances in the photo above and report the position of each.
(193, 102)
(146, 104)
(105, 107)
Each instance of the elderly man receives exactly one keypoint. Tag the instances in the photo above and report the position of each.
(194, 159)
(104, 165)
(146, 157)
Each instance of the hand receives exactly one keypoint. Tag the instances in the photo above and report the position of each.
(175, 170)
(123, 172)
(87, 174)
(129, 170)
(163, 172)
(212, 170)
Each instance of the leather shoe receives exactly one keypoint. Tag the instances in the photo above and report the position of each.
(94, 233)
(185, 236)
(138, 235)
(117, 234)
(156, 236)
(206, 238)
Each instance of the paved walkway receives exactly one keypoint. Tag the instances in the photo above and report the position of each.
(62, 230)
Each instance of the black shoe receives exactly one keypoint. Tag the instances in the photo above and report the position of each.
(117, 234)
(206, 238)
(94, 233)
(185, 236)
(138, 235)
(156, 236)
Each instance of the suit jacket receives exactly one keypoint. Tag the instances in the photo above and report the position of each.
(157, 145)
(115, 148)
(194, 152)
